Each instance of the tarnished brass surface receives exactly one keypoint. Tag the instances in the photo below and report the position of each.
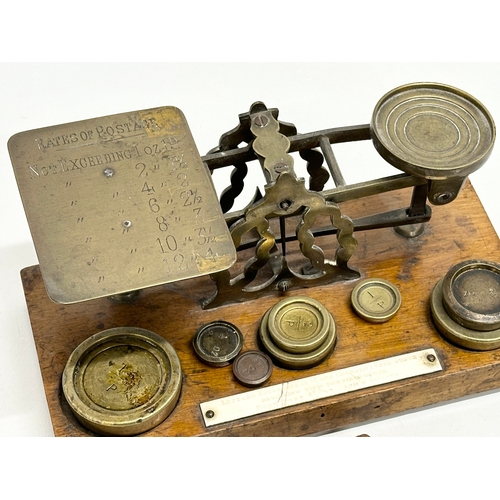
(217, 343)
(119, 203)
(471, 294)
(285, 196)
(252, 368)
(476, 340)
(122, 381)
(309, 354)
(432, 130)
(376, 300)
(124, 202)
(298, 324)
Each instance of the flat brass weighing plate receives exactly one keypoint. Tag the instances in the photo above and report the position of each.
(119, 203)
(432, 130)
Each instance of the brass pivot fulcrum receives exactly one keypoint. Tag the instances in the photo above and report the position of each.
(434, 133)
(285, 196)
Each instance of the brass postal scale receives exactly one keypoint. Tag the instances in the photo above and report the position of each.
(159, 310)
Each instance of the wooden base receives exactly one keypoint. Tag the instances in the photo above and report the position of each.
(456, 232)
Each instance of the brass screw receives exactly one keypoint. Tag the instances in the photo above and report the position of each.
(443, 197)
(284, 285)
(261, 121)
(280, 167)
(285, 204)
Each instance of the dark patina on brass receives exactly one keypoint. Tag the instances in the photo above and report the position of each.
(217, 343)
(122, 381)
(252, 368)
(477, 340)
(471, 294)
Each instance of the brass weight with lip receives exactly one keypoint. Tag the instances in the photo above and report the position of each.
(305, 330)
(465, 305)
(471, 294)
(298, 324)
(217, 343)
(122, 381)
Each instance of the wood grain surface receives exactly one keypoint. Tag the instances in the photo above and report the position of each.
(456, 232)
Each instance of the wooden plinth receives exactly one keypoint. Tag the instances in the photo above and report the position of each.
(456, 232)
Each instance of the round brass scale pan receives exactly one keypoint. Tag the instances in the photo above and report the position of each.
(432, 130)
(122, 381)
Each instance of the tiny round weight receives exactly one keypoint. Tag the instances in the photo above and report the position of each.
(471, 294)
(122, 381)
(217, 343)
(457, 334)
(376, 300)
(252, 368)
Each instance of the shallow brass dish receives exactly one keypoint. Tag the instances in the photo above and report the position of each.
(122, 381)
(432, 130)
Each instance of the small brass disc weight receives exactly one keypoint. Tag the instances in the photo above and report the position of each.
(217, 343)
(299, 324)
(122, 381)
(376, 300)
(476, 340)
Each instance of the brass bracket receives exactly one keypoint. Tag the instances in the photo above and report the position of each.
(285, 196)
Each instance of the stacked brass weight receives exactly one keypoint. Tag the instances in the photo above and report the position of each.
(298, 332)
(465, 305)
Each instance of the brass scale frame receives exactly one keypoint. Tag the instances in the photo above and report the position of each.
(270, 141)
(286, 199)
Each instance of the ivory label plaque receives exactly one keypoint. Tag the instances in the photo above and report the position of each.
(320, 386)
